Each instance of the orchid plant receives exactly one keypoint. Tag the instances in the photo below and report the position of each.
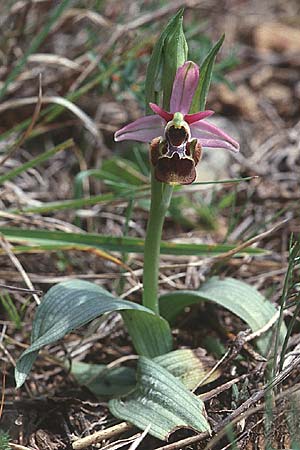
(176, 139)
(159, 390)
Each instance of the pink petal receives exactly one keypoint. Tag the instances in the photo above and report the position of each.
(216, 143)
(191, 118)
(211, 136)
(161, 112)
(144, 129)
(184, 87)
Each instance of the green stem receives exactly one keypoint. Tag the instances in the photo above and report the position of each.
(160, 199)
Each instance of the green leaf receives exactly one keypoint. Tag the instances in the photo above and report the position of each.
(44, 238)
(150, 334)
(174, 55)
(236, 296)
(201, 93)
(160, 400)
(70, 305)
(153, 81)
(104, 381)
(190, 366)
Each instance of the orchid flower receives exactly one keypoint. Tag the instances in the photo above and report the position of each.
(176, 137)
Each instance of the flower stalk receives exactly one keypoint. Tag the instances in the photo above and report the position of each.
(161, 195)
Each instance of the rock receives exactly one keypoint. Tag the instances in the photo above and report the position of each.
(277, 37)
(243, 99)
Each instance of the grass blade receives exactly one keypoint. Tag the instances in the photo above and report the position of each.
(119, 244)
(35, 161)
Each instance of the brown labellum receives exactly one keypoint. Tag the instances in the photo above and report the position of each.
(175, 164)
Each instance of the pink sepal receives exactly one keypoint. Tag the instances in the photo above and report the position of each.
(161, 112)
(191, 118)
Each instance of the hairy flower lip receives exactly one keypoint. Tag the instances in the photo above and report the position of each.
(175, 165)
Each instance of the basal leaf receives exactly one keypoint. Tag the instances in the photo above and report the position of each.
(104, 381)
(189, 366)
(236, 296)
(150, 334)
(70, 305)
(160, 400)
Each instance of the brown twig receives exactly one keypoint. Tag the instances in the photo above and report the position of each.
(3, 390)
(18, 289)
(251, 241)
(101, 435)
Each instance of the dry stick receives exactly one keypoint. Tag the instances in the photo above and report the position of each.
(3, 390)
(263, 329)
(8, 355)
(218, 390)
(18, 289)
(252, 240)
(140, 438)
(27, 133)
(7, 247)
(101, 435)
(19, 447)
